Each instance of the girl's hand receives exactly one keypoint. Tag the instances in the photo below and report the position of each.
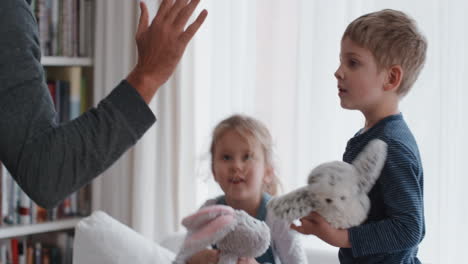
(208, 256)
(315, 224)
(247, 261)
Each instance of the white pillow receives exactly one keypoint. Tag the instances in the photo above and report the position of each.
(174, 241)
(101, 239)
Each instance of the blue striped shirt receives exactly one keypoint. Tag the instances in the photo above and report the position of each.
(395, 224)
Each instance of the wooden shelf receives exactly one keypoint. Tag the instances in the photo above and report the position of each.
(66, 61)
(23, 230)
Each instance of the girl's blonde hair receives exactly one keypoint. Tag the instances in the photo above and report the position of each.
(253, 131)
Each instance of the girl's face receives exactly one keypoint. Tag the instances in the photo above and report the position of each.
(239, 167)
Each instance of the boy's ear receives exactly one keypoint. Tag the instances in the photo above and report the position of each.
(395, 75)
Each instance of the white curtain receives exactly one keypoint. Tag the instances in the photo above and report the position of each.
(163, 161)
(114, 57)
(274, 60)
(144, 188)
(132, 190)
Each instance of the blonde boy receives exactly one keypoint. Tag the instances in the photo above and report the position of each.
(382, 54)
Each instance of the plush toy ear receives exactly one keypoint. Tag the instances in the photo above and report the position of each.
(206, 227)
(369, 163)
(205, 215)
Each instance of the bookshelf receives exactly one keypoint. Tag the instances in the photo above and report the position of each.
(28, 233)
(51, 61)
(24, 230)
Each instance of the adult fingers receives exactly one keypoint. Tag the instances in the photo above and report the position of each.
(164, 7)
(184, 15)
(175, 10)
(193, 28)
(144, 17)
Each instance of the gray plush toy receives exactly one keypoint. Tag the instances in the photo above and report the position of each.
(235, 233)
(336, 190)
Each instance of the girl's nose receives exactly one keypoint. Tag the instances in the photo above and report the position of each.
(236, 165)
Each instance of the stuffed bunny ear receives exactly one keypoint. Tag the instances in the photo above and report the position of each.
(206, 227)
(370, 162)
(206, 214)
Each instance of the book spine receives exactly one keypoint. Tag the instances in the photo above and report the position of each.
(30, 254)
(24, 207)
(81, 29)
(55, 27)
(22, 249)
(14, 251)
(38, 253)
(64, 101)
(10, 218)
(42, 19)
(3, 251)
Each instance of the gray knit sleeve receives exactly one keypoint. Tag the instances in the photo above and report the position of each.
(50, 161)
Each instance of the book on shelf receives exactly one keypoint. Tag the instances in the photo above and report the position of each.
(65, 27)
(69, 89)
(19, 209)
(29, 251)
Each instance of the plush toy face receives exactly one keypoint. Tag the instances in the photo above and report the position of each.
(334, 184)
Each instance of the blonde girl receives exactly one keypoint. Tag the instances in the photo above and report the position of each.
(242, 164)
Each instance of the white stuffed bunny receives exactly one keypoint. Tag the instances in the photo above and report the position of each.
(235, 233)
(336, 190)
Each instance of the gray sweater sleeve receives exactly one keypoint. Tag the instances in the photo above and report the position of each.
(50, 161)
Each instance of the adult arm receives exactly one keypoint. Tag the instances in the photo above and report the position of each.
(50, 161)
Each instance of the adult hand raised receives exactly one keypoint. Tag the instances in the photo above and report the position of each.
(162, 43)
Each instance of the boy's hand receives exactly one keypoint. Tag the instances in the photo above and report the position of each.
(208, 256)
(315, 224)
(162, 43)
(247, 261)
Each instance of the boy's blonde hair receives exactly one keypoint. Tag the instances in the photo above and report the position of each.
(253, 131)
(394, 39)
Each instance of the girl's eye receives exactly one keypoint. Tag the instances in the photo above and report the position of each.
(226, 157)
(248, 156)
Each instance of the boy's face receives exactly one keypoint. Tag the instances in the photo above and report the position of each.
(360, 84)
(239, 167)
